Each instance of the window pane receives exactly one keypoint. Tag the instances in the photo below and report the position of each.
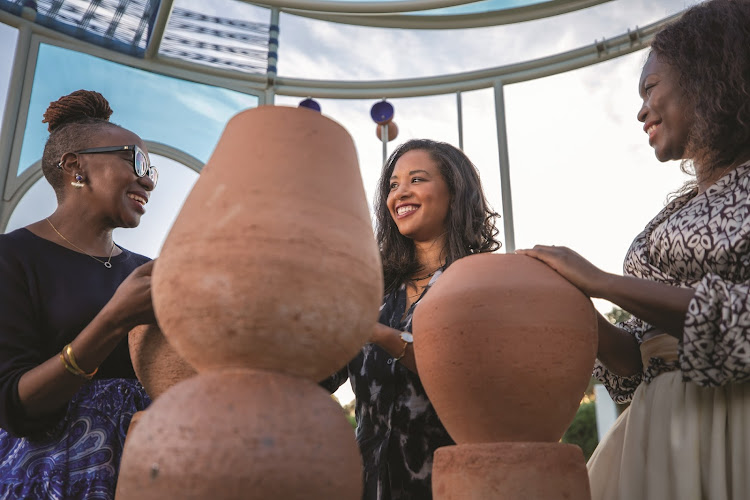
(186, 115)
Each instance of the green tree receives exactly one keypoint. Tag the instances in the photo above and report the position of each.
(582, 430)
(617, 315)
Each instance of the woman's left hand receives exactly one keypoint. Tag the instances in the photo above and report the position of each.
(580, 272)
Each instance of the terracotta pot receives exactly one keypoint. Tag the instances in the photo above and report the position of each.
(511, 471)
(242, 434)
(272, 262)
(157, 365)
(505, 348)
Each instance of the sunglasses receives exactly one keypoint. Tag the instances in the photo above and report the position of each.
(141, 164)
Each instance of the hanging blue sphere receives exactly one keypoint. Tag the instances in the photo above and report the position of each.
(310, 103)
(382, 112)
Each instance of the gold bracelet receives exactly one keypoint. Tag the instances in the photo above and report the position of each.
(408, 339)
(67, 365)
(75, 368)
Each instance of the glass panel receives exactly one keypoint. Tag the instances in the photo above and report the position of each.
(322, 50)
(186, 115)
(122, 25)
(8, 40)
(175, 182)
(582, 171)
(230, 35)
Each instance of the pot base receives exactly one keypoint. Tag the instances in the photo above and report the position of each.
(511, 471)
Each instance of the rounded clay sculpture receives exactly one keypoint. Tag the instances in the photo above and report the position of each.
(505, 348)
(241, 435)
(272, 263)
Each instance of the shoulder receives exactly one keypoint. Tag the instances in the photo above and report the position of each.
(16, 243)
(132, 259)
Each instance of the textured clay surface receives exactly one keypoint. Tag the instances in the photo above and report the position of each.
(505, 348)
(510, 471)
(157, 365)
(243, 435)
(272, 262)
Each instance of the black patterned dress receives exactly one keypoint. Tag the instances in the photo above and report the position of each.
(686, 434)
(397, 428)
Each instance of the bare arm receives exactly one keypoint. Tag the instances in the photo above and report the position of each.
(390, 340)
(618, 350)
(658, 304)
(49, 386)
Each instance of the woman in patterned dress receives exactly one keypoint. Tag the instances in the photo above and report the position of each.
(68, 298)
(683, 360)
(430, 211)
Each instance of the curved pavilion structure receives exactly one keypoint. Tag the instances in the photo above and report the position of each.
(176, 71)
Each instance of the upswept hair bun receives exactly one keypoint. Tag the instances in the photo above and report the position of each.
(79, 106)
(73, 120)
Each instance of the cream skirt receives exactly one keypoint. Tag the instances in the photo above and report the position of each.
(676, 441)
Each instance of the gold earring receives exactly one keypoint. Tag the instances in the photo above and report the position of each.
(78, 183)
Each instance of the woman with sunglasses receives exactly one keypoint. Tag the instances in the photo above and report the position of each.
(68, 299)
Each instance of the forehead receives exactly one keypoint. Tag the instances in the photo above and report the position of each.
(657, 67)
(416, 159)
(116, 136)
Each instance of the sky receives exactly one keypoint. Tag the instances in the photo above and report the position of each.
(581, 170)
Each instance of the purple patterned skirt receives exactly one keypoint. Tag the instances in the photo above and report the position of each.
(80, 457)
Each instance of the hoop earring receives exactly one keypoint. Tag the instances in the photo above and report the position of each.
(78, 183)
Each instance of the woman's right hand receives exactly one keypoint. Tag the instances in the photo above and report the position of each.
(131, 305)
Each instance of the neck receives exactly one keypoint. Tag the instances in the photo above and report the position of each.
(91, 234)
(708, 180)
(429, 254)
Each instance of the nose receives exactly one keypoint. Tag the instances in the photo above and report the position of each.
(146, 182)
(642, 113)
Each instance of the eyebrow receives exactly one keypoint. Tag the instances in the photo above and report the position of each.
(412, 172)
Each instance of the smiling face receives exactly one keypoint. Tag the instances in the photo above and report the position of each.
(419, 198)
(666, 112)
(111, 185)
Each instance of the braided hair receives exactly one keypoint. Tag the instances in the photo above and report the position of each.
(71, 120)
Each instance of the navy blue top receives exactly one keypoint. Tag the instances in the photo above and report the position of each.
(48, 294)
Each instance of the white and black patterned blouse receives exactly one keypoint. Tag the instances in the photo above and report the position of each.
(397, 428)
(701, 241)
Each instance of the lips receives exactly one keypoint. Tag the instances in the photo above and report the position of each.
(404, 210)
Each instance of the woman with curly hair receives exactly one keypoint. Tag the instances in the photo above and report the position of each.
(683, 360)
(68, 299)
(430, 211)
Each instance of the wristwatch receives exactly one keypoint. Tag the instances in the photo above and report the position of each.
(408, 338)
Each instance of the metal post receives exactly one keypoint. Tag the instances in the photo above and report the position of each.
(11, 121)
(460, 121)
(273, 56)
(502, 147)
(156, 33)
(384, 137)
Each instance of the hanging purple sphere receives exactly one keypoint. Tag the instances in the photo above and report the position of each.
(382, 112)
(310, 103)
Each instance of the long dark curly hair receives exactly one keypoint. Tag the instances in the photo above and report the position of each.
(471, 221)
(709, 46)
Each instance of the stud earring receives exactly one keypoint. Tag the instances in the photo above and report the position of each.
(78, 183)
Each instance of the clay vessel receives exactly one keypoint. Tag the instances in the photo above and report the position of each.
(505, 349)
(156, 364)
(241, 434)
(272, 262)
(511, 471)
